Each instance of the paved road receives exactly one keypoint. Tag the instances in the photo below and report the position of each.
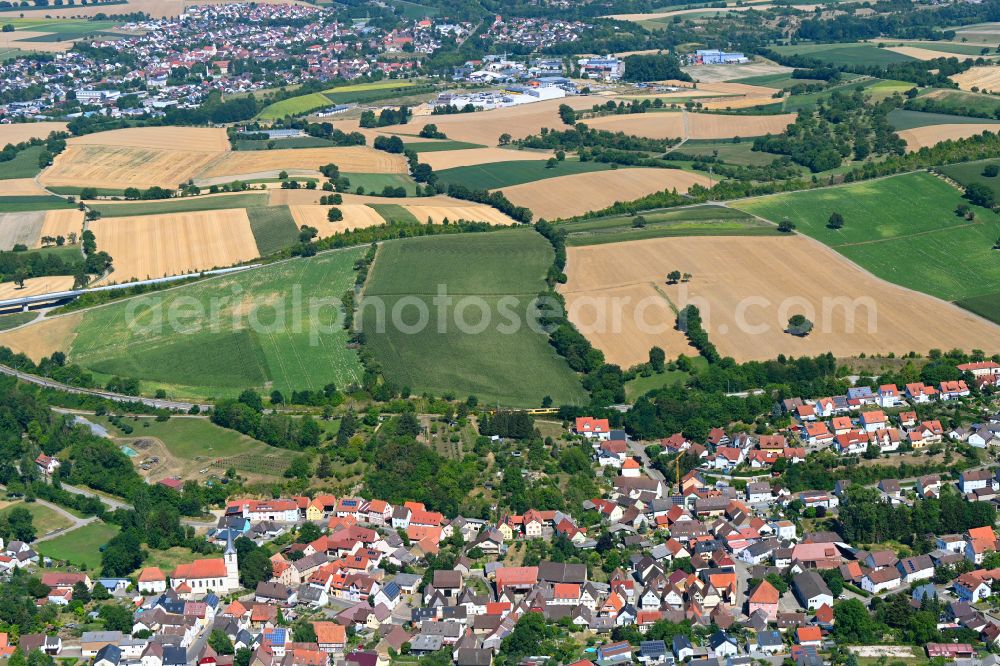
(108, 395)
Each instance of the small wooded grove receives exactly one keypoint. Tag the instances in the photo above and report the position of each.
(654, 67)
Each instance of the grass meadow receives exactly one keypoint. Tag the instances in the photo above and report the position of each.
(182, 204)
(495, 175)
(82, 546)
(262, 335)
(694, 221)
(516, 368)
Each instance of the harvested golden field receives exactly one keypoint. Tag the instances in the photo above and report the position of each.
(121, 166)
(485, 127)
(667, 125)
(356, 216)
(17, 40)
(924, 54)
(18, 132)
(714, 73)
(42, 339)
(22, 187)
(447, 159)
(34, 286)
(455, 210)
(931, 135)
(985, 77)
(20, 229)
(199, 139)
(281, 197)
(566, 196)
(353, 159)
(61, 222)
(746, 289)
(154, 246)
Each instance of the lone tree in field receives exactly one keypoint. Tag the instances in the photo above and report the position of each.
(686, 277)
(836, 221)
(991, 171)
(638, 222)
(799, 326)
(335, 215)
(673, 277)
(504, 139)
(786, 227)
(656, 359)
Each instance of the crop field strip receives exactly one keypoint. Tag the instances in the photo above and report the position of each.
(694, 221)
(202, 359)
(516, 369)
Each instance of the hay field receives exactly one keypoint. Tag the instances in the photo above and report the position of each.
(61, 222)
(18, 132)
(983, 77)
(927, 54)
(485, 127)
(747, 287)
(931, 135)
(456, 210)
(449, 159)
(20, 229)
(42, 339)
(176, 243)
(356, 216)
(122, 166)
(655, 16)
(33, 286)
(566, 196)
(716, 73)
(666, 125)
(356, 159)
(22, 187)
(200, 139)
(17, 40)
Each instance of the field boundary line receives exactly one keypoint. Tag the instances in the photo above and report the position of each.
(919, 233)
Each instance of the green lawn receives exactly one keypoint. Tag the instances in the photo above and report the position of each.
(24, 164)
(15, 319)
(359, 92)
(495, 175)
(374, 182)
(276, 327)
(182, 204)
(82, 546)
(902, 229)
(294, 106)
(643, 385)
(499, 272)
(43, 518)
(273, 228)
(694, 221)
(361, 95)
(191, 438)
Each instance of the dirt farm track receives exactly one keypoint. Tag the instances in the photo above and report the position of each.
(746, 307)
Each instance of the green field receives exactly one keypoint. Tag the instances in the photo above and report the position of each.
(273, 228)
(400, 90)
(24, 164)
(81, 547)
(492, 175)
(845, 54)
(18, 204)
(444, 144)
(182, 204)
(291, 142)
(901, 119)
(301, 104)
(394, 213)
(374, 182)
(694, 221)
(903, 229)
(43, 518)
(516, 368)
(260, 328)
(15, 319)
(967, 173)
(198, 439)
(725, 149)
(60, 26)
(643, 385)
(961, 103)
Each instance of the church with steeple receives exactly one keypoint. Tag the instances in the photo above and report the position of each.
(220, 575)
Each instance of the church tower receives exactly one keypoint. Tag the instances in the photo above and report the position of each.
(232, 564)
